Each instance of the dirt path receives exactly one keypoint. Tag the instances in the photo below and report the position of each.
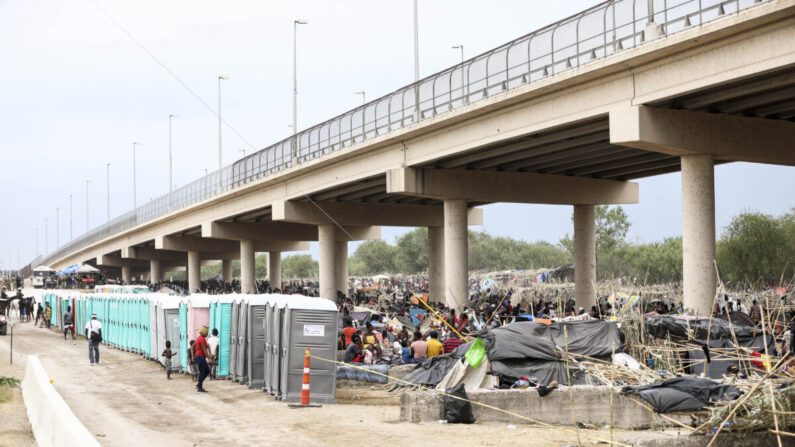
(127, 401)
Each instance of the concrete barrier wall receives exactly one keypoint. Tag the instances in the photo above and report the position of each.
(53, 423)
(591, 403)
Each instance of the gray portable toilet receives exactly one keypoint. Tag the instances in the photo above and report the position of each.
(309, 323)
(275, 335)
(241, 371)
(255, 340)
(233, 339)
(171, 314)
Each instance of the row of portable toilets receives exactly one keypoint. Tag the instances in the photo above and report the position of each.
(262, 338)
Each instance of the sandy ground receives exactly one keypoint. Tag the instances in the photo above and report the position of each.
(127, 401)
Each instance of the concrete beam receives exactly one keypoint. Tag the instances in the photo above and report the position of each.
(683, 132)
(503, 186)
(118, 261)
(358, 213)
(148, 253)
(256, 231)
(209, 246)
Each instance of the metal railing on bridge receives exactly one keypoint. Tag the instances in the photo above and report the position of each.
(594, 34)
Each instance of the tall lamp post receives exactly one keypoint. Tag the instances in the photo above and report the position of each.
(57, 227)
(46, 240)
(108, 179)
(220, 156)
(87, 208)
(170, 160)
(295, 85)
(461, 47)
(135, 192)
(71, 221)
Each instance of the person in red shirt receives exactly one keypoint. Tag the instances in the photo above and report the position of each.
(202, 351)
(452, 342)
(348, 332)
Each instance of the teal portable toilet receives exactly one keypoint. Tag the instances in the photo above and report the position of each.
(184, 343)
(221, 319)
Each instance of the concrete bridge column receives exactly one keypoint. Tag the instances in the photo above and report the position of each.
(341, 256)
(155, 271)
(584, 256)
(226, 270)
(698, 232)
(456, 266)
(275, 269)
(247, 282)
(327, 261)
(436, 264)
(126, 274)
(194, 271)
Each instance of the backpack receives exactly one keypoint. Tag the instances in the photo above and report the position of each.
(96, 337)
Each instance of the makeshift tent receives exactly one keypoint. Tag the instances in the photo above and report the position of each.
(85, 268)
(528, 349)
(683, 394)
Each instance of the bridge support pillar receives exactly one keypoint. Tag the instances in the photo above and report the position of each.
(226, 270)
(327, 262)
(456, 266)
(341, 257)
(194, 271)
(155, 271)
(698, 232)
(247, 281)
(584, 256)
(126, 274)
(275, 269)
(436, 264)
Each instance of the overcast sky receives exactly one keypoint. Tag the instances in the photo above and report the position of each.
(76, 91)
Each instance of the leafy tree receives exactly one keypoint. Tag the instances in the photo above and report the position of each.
(372, 258)
(758, 246)
(299, 266)
(411, 254)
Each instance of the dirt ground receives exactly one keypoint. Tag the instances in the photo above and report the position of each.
(127, 401)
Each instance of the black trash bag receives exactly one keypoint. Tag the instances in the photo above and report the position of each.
(457, 411)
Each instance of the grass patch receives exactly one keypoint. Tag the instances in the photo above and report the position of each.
(6, 388)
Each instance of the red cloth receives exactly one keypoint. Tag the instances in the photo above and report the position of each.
(348, 332)
(200, 342)
(451, 343)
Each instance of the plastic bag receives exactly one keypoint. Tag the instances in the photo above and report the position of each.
(476, 353)
(457, 411)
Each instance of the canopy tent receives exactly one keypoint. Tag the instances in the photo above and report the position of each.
(85, 268)
(487, 284)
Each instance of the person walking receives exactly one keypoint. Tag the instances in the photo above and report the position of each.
(202, 352)
(94, 336)
(48, 315)
(68, 323)
(39, 315)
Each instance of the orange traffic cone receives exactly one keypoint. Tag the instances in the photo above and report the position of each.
(305, 386)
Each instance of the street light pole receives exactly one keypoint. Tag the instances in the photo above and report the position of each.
(87, 226)
(71, 221)
(57, 227)
(135, 192)
(37, 242)
(220, 159)
(461, 47)
(108, 179)
(364, 101)
(46, 240)
(416, 45)
(295, 84)
(244, 152)
(170, 162)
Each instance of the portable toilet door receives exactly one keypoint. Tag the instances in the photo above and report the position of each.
(152, 324)
(309, 323)
(198, 313)
(222, 320)
(268, 323)
(255, 340)
(241, 371)
(233, 339)
(277, 310)
(184, 342)
(172, 333)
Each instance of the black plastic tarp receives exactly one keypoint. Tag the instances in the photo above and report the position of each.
(530, 349)
(660, 326)
(716, 368)
(683, 394)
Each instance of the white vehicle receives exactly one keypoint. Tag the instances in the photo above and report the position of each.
(41, 274)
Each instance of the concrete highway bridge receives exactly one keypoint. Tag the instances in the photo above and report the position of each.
(569, 114)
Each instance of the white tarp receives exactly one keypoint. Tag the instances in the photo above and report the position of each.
(472, 378)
